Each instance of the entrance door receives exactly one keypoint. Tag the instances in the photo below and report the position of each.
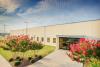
(64, 42)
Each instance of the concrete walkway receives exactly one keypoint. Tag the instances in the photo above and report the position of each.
(4, 63)
(58, 58)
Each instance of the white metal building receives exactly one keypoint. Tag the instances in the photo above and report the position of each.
(51, 34)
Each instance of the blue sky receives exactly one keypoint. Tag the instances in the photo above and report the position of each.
(46, 12)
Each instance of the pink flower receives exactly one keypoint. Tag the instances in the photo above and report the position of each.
(84, 53)
(80, 48)
(94, 53)
(98, 45)
(82, 40)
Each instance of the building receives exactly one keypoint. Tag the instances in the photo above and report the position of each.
(55, 34)
(4, 34)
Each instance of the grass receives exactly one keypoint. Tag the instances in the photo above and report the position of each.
(6, 54)
(94, 63)
(1, 37)
(46, 50)
(30, 53)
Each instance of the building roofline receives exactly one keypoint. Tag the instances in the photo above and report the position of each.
(69, 23)
(60, 24)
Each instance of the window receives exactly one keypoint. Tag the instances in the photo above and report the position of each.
(54, 40)
(37, 38)
(31, 38)
(42, 39)
(48, 39)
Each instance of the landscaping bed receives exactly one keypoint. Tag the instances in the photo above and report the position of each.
(21, 51)
(28, 55)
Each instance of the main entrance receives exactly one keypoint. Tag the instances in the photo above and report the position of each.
(64, 42)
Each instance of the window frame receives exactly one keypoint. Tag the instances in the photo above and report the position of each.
(48, 39)
(37, 38)
(42, 39)
(54, 40)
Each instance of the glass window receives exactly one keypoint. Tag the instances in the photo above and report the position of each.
(37, 38)
(48, 39)
(54, 40)
(42, 39)
(31, 38)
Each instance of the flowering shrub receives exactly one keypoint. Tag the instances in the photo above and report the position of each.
(84, 50)
(21, 43)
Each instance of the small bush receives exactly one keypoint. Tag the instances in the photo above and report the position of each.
(17, 63)
(29, 58)
(21, 58)
(40, 57)
(36, 55)
(17, 57)
(11, 59)
(33, 61)
(5, 48)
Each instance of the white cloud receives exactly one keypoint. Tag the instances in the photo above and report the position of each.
(10, 5)
(44, 6)
(41, 6)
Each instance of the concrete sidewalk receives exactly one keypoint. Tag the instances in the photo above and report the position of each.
(58, 58)
(4, 63)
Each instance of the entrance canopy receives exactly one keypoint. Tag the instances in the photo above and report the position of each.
(72, 36)
(78, 36)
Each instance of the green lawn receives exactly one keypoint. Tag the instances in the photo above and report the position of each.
(1, 37)
(30, 53)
